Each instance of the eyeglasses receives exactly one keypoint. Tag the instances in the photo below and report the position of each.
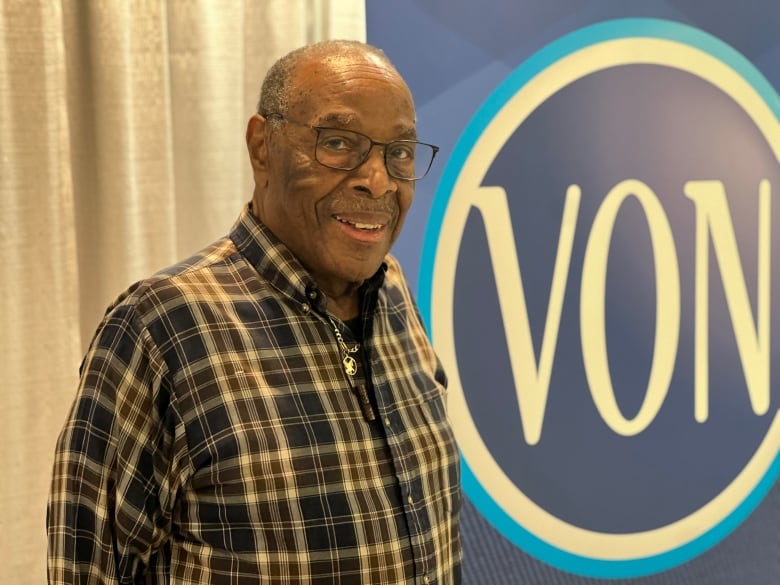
(346, 150)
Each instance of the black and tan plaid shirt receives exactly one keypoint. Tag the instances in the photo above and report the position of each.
(215, 438)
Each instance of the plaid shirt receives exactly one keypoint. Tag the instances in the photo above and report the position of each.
(215, 438)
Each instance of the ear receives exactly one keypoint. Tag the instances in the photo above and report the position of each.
(256, 144)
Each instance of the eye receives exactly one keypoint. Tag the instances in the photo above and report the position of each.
(336, 140)
(401, 151)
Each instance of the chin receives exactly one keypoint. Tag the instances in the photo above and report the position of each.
(363, 271)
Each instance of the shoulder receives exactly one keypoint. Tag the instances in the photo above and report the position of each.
(166, 304)
(395, 282)
(398, 297)
(180, 283)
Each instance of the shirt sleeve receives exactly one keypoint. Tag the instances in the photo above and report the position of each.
(115, 470)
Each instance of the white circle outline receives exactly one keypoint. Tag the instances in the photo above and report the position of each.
(493, 480)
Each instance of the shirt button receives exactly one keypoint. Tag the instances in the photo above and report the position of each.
(312, 293)
(410, 500)
(425, 578)
(305, 307)
(387, 422)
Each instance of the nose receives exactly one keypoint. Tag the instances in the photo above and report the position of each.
(373, 174)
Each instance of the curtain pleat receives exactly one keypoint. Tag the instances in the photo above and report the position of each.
(39, 344)
(121, 151)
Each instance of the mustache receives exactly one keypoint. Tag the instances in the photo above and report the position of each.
(351, 204)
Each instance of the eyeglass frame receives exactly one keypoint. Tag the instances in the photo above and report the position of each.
(372, 144)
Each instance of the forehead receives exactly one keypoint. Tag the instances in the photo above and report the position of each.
(351, 90)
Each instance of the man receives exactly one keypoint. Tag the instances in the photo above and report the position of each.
(270, 411)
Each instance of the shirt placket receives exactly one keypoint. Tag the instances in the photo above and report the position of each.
(413, 499)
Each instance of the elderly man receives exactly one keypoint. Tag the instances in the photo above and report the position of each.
(270, 410)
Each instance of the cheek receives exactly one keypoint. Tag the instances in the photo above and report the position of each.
(308, 202)
(290, 163)
(404, 203)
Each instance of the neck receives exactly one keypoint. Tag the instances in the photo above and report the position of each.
(342, 294)
(343, 298)
(345, 305)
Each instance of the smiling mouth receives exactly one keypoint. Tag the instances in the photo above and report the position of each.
(366, 227)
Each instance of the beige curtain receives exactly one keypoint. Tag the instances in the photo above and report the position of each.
(121, 151)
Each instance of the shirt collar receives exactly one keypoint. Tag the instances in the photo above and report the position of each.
(278, 265)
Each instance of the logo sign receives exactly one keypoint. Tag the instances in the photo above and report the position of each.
(600, 277)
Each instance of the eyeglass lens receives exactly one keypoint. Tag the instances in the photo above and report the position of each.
(345, 149)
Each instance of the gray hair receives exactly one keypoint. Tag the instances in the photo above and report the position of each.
(275, 92)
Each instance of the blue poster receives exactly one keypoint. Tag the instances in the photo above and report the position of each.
(596, 254)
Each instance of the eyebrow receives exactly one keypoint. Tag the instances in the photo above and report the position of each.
(346, 121)
(338, 119)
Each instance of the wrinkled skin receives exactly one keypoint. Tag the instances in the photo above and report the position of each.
(339, 224)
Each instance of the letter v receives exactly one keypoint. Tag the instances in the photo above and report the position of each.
(532, 380)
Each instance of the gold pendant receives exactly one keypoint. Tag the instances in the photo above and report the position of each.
(350, 365)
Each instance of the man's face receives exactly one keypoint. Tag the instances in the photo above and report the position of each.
(340, 224)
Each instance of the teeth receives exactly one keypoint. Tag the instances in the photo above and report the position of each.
(361, 226)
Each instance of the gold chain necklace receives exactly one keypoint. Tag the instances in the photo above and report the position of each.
(349, 362)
